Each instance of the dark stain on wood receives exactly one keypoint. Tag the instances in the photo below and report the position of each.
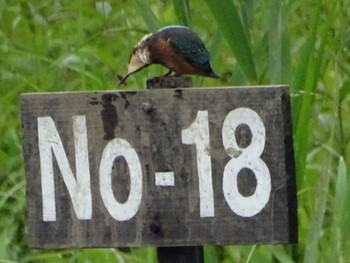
(109, 115)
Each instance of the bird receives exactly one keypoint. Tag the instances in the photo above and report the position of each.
(175, 47)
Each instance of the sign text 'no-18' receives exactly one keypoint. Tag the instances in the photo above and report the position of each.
(159, 167)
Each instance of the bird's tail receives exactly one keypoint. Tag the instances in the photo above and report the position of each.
(212, 74)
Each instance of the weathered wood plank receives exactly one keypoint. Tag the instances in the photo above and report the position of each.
(152, 122)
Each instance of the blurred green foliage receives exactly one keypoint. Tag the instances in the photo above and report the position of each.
(61, 45)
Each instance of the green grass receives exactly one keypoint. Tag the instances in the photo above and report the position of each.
(61, 45)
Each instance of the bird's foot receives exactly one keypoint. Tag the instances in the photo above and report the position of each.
(168, 73)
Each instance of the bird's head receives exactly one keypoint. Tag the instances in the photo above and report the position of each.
(140, 58)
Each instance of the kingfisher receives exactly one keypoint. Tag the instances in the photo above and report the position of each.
(175, 47)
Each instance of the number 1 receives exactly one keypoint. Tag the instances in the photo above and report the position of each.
(198, 134)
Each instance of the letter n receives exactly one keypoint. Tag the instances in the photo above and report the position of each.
(78, 188)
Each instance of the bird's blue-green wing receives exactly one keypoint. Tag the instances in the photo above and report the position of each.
(191, 48)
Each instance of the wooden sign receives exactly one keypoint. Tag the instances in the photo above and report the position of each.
(172, 167)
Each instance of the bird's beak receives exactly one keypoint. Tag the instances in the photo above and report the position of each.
(135, 65)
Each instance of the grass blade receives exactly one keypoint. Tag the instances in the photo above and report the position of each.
(211, 254)
(280, 254)
(300, 79)
(302, 106)
(275, 42)
(147, 14)
(229, 22)
(341, 214)
(314, 234)
(182, 10)
(344, 91)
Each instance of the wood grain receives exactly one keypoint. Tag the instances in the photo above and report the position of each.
(151, 121)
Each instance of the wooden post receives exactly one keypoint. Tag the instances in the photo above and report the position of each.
(189, 254)
(180, 254)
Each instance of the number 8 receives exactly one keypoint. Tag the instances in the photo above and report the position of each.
(248, 157)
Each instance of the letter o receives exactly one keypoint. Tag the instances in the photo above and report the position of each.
(115, 148)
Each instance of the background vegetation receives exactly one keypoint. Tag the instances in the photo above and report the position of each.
(63, 45)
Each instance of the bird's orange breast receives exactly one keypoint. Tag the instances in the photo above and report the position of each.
(162, 53)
